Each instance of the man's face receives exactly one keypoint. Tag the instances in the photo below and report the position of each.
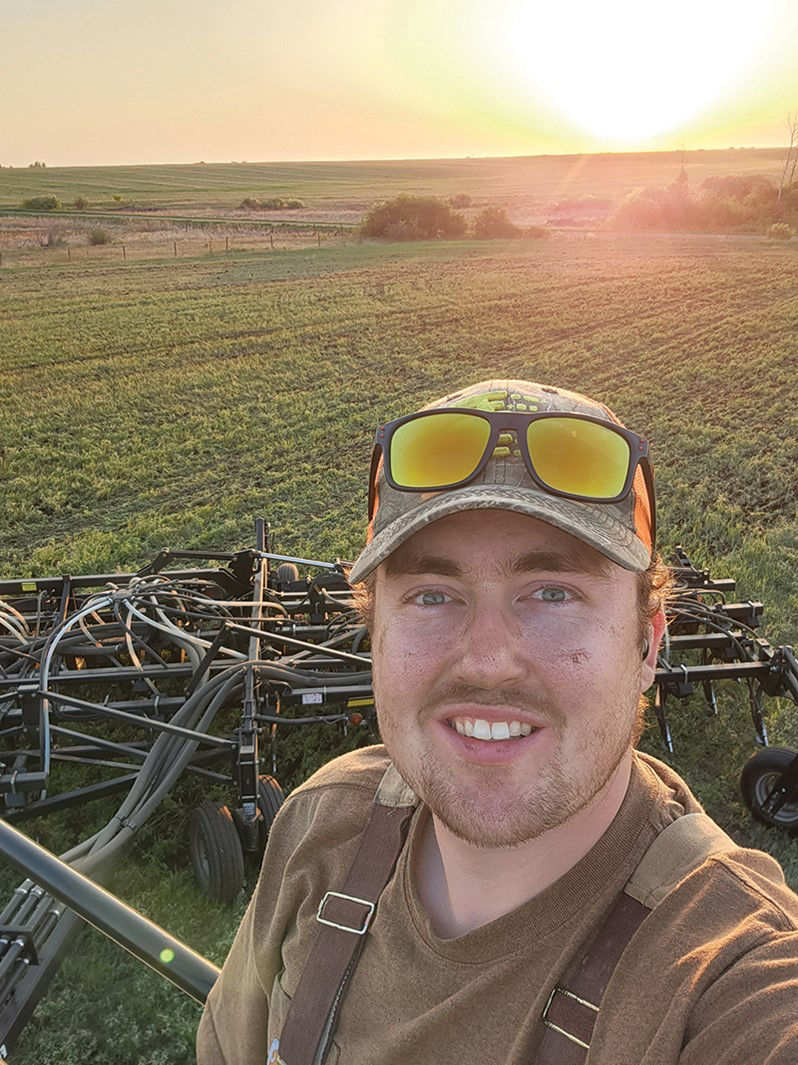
(494, 620)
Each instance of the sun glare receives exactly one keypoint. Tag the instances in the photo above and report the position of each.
(627, 70)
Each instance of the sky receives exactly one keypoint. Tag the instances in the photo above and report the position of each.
(91, 82)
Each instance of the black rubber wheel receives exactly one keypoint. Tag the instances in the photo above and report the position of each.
(287, 573)
(270, 799)
(216, 853)
(759, 776)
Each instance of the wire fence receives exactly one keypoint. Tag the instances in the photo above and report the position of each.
(57, 249)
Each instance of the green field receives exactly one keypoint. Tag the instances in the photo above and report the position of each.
(167, 403)
(342, 186)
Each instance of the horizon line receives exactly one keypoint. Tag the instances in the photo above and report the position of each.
(401, 159)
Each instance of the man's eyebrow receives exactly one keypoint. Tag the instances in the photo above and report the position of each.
(561, 561)
(399, 565)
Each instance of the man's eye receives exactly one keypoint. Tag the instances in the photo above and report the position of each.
(431, 598)
(552, 594)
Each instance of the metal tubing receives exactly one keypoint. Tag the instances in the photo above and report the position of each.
(717, 671)
(142, 938)
(69, 798)
(141, 722)
(302, 561)
(280, 638)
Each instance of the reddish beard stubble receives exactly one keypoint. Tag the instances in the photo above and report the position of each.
(489, 807)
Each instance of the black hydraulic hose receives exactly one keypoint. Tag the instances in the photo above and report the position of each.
(141, 937)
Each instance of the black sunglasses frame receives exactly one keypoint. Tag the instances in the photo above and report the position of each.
(517, 422)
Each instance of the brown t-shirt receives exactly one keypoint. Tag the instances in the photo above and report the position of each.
(711, 976)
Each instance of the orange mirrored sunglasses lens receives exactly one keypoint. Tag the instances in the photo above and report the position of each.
(583, 458)
(438, 451)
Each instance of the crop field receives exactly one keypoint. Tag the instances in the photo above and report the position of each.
(169, 402)
(341, 191)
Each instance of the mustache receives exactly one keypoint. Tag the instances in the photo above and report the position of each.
(520, 698)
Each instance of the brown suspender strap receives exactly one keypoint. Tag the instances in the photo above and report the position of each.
(572, 1009)
(573, 1005)
(344, 917)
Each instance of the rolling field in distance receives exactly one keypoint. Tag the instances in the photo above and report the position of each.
(161, 403)
(344, 190)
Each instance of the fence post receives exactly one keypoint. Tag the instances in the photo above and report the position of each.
(69, 256)
(175, 247)
(318, 238)
(124, 253)
(271, 238)
(227, 244)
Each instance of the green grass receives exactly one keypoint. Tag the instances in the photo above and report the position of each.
(524, 181)
(167, 403)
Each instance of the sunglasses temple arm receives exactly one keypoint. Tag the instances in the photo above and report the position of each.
(648, 477)
(375, 462)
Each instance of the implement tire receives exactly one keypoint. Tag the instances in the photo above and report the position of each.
(216, 853)
(287, 573)
(759, 776)
(270, 798)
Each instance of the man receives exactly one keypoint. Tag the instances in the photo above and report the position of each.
(507, 881)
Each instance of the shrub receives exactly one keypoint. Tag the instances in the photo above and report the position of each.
(537, 232)
(80, 203)
(272, 203)
(779, 231)
(493, 222)
(413, 218)
(41, 203)
(753, 187)
(731, 203)
(462, 199)
(99, 236)
(118, 198)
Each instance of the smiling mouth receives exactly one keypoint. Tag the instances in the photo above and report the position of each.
(479, 729)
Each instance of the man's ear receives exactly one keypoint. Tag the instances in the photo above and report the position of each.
(655, 632)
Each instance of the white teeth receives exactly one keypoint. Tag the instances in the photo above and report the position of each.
(483, 730)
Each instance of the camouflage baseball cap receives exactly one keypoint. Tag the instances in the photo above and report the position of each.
(621, 531)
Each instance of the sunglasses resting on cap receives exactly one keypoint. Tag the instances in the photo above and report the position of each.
(515, 445)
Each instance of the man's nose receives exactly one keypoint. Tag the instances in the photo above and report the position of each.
(490, 651)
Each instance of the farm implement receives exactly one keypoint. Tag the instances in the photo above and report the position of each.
(126, 683)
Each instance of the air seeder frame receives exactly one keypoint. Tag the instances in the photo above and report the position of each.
(200, 670)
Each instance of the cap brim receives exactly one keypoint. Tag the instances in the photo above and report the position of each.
(593, 524)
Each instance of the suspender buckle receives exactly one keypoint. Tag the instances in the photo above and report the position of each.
(359, 930)
(567, 1011)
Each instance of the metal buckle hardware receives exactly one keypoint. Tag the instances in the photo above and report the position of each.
(349, 898)
(555, 1027)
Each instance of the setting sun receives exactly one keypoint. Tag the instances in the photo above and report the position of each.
(625, 70)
